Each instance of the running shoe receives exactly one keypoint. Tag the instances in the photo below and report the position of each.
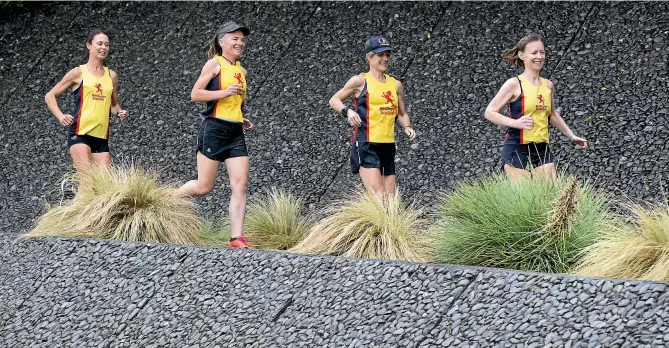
(239, 242)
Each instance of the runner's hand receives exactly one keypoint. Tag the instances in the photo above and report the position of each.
(233, 89)
(247, 126)
(410, 133)
(353, 118)
(525, 122)
(123, 114)
(66, 120)
(580, 142)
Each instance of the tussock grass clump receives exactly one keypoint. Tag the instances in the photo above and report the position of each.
(639, 251)
(535, 224)
(67, 187)
(274, 221)
(122, 203)
(368, 227)
(215, 233)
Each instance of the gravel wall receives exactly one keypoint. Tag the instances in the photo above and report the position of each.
(76, 293)
(608, 61)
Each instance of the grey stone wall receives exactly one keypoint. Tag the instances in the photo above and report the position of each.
(76, 293)
(608, 61)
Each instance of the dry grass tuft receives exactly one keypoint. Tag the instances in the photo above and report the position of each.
(640, 251)
(367, 227)
(123, 203)
(274, 222)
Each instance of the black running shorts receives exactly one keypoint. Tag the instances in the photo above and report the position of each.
(219, 140)
(373, 155)
(523, 155)
(97, 145)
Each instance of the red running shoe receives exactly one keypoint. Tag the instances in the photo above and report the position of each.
(239, 242)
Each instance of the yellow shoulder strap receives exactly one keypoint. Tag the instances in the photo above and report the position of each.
(219, 59)
(84, 72)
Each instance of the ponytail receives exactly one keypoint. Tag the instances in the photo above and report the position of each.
(214, 47)
(511, 55)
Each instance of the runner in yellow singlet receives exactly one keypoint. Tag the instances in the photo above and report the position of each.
(531, 100)
(95, 94)
(222, 86)
(378, 100)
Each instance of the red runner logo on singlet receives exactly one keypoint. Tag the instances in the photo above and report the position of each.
(389, 97)
(100, 96)
(388, 110)
(541, 100)
(238, 76)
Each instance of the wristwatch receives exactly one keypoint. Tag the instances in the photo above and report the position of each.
(344, 112)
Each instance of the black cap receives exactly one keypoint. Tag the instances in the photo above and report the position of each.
(230, 26)
(377, 44)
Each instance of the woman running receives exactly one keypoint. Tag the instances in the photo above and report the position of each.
(222, 86)
(95, 89)
(531, 100)
(378, 99)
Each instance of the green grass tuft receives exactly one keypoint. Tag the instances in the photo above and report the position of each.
(215, 233)
(536, 224)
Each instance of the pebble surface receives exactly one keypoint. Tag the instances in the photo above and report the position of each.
(92, 293)
(99, 293)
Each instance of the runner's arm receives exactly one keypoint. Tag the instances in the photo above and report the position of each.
(402, 114)
(353, 84)
(69, 80)
(558, 122)
(556, 119)
(503, 96)
(201, 94)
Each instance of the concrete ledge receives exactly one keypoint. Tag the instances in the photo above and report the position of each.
(65, 292)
